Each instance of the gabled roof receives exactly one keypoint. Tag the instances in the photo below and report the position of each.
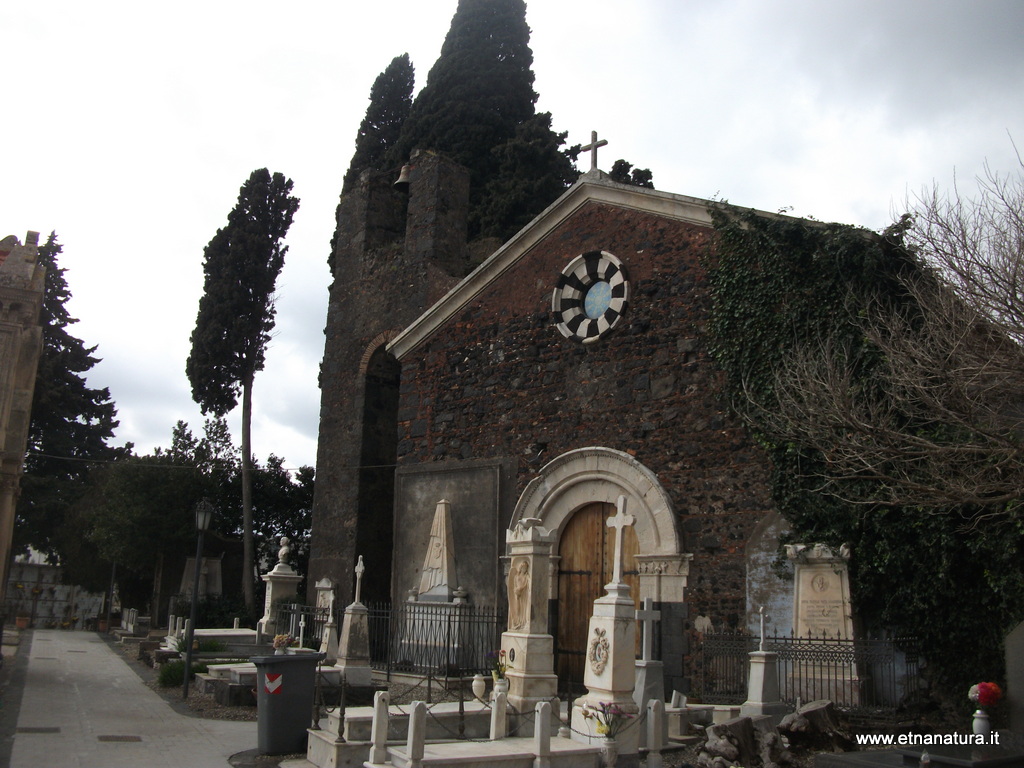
(595, 187)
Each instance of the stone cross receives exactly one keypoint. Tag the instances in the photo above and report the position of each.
(592, 149)
(760, 610)
(647, 615)
(619, 521)
(360, 570)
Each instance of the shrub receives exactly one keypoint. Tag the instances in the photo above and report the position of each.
(172, 673)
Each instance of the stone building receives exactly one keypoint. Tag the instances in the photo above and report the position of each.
(21, 343)
(567, 369)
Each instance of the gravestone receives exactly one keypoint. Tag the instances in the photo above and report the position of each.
(529, 648)
(282, 582)
(325, 602)
(650, 672)
(821, 598)
(354, 645)
(437, 578)
(822, 610)
(769, 582)
(763, 696)
(210, 580)
(436, 620)
(610, 673)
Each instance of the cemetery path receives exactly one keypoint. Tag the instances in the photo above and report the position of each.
(82, 706)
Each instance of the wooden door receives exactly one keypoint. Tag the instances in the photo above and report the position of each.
(587, 551)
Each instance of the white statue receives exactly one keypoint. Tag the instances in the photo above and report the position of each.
(519, 596)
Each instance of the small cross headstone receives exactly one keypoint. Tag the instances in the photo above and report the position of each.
(619, 521)
(647, 616)
(592, 149)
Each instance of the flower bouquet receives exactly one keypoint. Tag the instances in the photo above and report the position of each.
(283, 641)
(610, 717)
(498, 663)
(985, 694)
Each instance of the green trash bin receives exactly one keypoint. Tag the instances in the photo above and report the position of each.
(285, 687)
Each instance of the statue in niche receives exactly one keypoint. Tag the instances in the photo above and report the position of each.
(519, 596)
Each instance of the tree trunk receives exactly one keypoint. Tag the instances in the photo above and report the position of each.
(247, 538)
(158, 585)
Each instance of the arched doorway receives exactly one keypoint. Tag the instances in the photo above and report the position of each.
(586, 550)
(561, 499)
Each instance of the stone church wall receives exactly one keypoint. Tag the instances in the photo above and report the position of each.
(499, 381)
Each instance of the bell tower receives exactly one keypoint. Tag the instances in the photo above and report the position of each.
(395, 253)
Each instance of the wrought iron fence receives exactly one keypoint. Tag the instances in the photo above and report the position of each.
(436, 639)
(305, 622)
(878, 677)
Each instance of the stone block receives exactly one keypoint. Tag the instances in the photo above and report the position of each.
(233, 695)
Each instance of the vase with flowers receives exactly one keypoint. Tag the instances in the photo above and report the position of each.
(609, 719)
(499, 666)
(983, 695)
(282, 643)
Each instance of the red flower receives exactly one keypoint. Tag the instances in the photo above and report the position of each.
(989, 694)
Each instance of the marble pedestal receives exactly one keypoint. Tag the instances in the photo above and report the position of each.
(531, 678)
(763, 696)
(354, 646)
(610, 671)
(282, 582)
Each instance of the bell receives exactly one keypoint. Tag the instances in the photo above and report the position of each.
(402, 184)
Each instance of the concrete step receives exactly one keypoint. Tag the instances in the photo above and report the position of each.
(442, 722)
(506, 753)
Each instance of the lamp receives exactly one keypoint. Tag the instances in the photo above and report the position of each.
(204, 515)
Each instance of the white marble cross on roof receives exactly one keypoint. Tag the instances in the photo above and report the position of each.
(592, 149)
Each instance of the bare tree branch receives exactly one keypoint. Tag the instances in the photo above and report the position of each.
(942, 422)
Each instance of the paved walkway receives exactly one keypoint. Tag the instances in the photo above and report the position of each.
(83, 707)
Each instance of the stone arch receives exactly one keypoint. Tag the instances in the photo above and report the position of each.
(380, 340)
(587, 475)
(378, 396)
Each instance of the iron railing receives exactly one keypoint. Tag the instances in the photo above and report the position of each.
(876, 677)
(436, 639)
(302, 621)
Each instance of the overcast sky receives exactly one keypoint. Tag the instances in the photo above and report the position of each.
(129, 128)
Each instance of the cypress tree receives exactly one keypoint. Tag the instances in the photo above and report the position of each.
(624, 173)
(236, 316)
(390, 102)
(532, 171)
(479, 89)
(478, 95)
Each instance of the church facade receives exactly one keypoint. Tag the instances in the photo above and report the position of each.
(567, 370)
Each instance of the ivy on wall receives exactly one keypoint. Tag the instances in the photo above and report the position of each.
(777, 282)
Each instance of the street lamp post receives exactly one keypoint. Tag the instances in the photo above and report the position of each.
(204, 513)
